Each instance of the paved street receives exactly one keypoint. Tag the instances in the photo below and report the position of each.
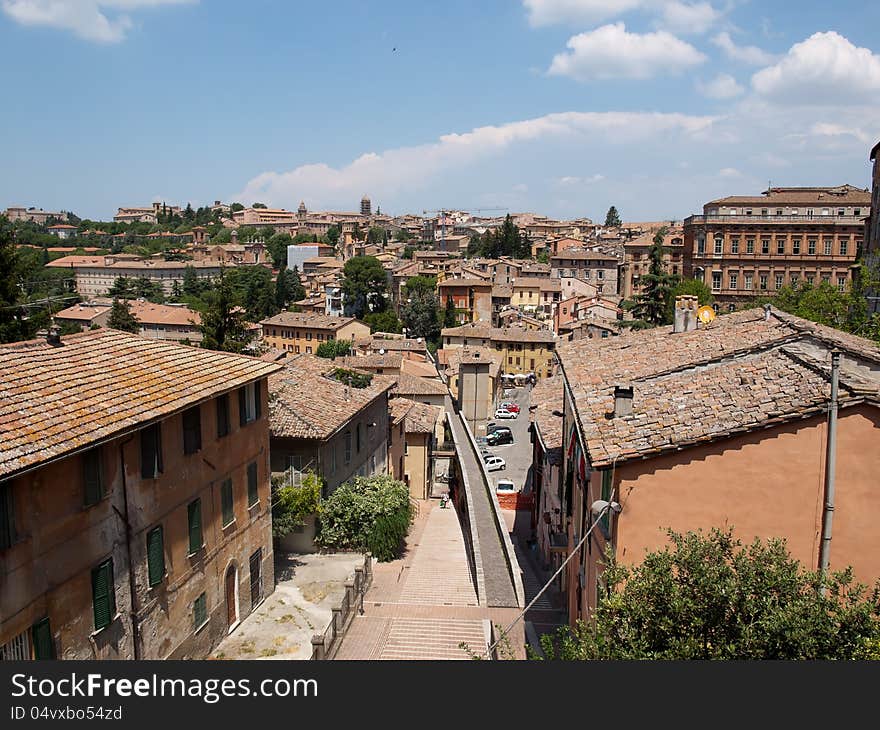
(518, 455)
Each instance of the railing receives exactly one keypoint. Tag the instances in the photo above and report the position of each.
(325, 646)
(848, 220)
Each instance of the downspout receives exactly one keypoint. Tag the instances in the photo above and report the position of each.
(830, 464)
(132, 586)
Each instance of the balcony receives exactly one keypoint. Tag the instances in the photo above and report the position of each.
(761, 220)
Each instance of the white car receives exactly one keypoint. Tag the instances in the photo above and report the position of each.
(495, 463)
(501, 413)
(505, 486)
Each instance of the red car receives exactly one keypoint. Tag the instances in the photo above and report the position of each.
(511, 407)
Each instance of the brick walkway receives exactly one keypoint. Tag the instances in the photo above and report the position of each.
(423, 605)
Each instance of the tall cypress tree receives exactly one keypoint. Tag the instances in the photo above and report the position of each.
(652, 303)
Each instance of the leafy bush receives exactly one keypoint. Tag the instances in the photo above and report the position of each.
(291, 505)
(331, 349)
(372, 513)
(351, 378)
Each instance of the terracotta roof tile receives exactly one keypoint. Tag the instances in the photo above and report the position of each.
(95, 385)
(546, 396)
(412, 385)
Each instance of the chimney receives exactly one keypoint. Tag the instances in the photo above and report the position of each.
(685, 318)
(53, 336)
(623, 400)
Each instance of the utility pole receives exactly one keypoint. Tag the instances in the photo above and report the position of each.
(830, 465)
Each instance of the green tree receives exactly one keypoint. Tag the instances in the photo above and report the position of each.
(258, 205)
(333, 235)
(331, 349)
(121, 317)
(402, 235)
(152, 291)
(123, 288)
(419, 308)
(13, 325)
(223, 324)
(450, 316)
(277, 245)
(367, 513)
(364, 286)
(255, 291)
(708, 597)
(408, 252)
(652, 304)
(385, 321)
(376, 236)
(692, 287)
(288, 288)
(612, 218)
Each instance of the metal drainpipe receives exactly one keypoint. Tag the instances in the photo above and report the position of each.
(830, 464)
(132, 586)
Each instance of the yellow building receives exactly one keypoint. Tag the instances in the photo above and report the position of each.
(304, 332)
(521, 350)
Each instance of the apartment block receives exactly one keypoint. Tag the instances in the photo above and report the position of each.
(304, 332)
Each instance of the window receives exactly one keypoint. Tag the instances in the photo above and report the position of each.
(734, 245)
(828, 244)
(308, 350)
(605, 522)
(811, 247)
(734, 281)
(701, 245)
(7, 516)
(794, 279)
(716, 279)
(253, 491)
(719, 245)
(810, 279)
(200, 612)
(93, 477)
(151, 451)
(359, 432)
(780, 246)
(41, 639)
(155, 556)
(308, 336)
(750, 245)
(256, 566)
(762, 282)
(778, 281)
(348, 447)
(249, 403)
(194, 523)
(765, 245)
(844, 246)
(841, 283)
(103, 594)
(226, 502)
(796, 246)
(748, 281)
(192, 430)
(222, 415)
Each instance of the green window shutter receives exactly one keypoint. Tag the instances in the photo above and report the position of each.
(156, 556)
(7, 516)
(606, 495)
(227, 502)
(41, 638)
(242, 407)
(194, 516)
(103, 594)
(222, 415)
(93, 477)
(200, 611)
(258, 400)
(192, 430)
(253, 493)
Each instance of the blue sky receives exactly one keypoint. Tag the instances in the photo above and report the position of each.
(562, 107)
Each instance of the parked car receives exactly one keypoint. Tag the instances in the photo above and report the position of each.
(505, 486)
(495, 463)
(510, 406)
(499, 437)
(491, 426)
(501, 413)
(486, 454)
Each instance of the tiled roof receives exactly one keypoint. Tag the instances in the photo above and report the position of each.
(419, 369)
(149, 313)
(95, 385)
(412, 385)
(305, 403)
(391, 360)
(378, 343)
(421, 418)
(453, 357)
(740, 373)
(310, 320)
(501, 334)
(844, 194)
(546, 396)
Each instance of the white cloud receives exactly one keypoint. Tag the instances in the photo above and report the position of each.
(680, 17)
(553, 12)
(824, 69)
(397, 171)
(569, 180)
(87, 19)
(723, 86)
(751, 55)
(610, 52)
(829, 129)
(729, 172)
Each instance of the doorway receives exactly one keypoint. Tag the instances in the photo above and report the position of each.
(231, 602)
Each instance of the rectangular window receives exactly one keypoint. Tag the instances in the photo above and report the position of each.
(841, 283)
(748, 281)
(227, 502)
(359, 431)
(194, 523)
(701, 245)
(794, 279)
(200, 612)
(222, 415)
(249, 403)
(348, 447)
(750, 245)
(810, 279)
(41, 638)
(716, 279)
(811, 247)
(155, 556)
(103, 594)
(734, 281)
(151, 451)
(844, 247)
(192, 430)
(93, 477)
(734, 245)
(796, 246)
(605, 522)
(256, 566)
(778, 281)
(765, 245)
(828, 244)
(780, 246)
(762, 282)
(719, 246)
(253, 491)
